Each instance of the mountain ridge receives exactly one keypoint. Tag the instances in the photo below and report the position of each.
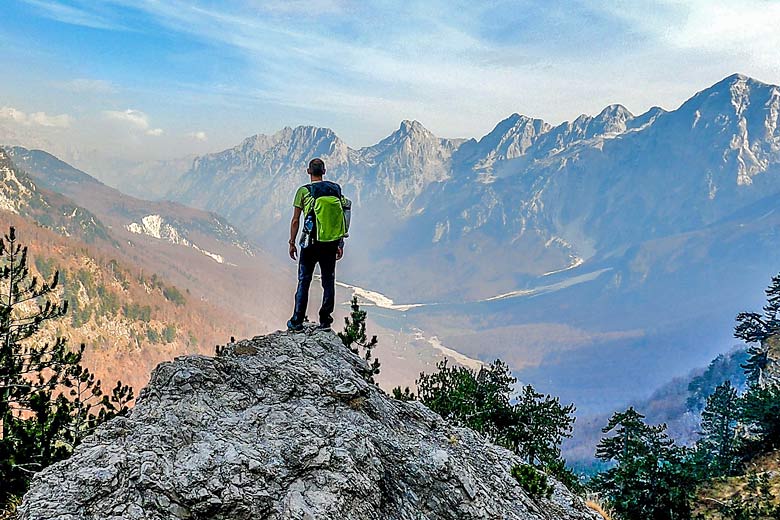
(516, 144)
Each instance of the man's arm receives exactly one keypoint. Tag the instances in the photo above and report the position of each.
(295, 225)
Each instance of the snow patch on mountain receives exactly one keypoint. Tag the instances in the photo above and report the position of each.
(441, 230)
(157, 227)
(576, 261)
(217, 258)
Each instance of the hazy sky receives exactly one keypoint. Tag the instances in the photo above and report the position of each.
(163, 78)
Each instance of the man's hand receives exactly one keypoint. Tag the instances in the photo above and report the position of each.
(293, 251)
(339, 253)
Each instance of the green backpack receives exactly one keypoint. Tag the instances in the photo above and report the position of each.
(326, 215)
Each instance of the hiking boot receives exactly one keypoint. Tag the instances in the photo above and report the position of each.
(325, 323)
(294, 327)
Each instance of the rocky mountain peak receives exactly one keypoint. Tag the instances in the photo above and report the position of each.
(613, 119)
(521, 123)
(408, 160)
(511, 138)
(414, 128)
(613, 111)
(731, 95)
(648, 117)
(284, 426)
(411, 138)
(739, 118)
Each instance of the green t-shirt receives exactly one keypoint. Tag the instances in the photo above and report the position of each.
(303, 200)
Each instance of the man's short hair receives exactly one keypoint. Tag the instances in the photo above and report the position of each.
(317, 167)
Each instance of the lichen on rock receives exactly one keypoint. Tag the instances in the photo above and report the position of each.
(284, 426)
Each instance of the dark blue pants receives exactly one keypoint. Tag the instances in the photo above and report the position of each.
(323, 253)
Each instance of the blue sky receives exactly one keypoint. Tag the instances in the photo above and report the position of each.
(141, 79)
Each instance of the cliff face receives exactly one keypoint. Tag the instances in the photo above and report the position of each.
(283, 427)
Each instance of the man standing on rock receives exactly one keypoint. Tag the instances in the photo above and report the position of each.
(326, 221)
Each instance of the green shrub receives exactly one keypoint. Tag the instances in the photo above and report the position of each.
(169, 334)
(152, 335)
(404, 395)
(172, 294)
(533, 481)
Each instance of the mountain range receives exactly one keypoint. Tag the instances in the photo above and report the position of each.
(537, 197)
(600, 257)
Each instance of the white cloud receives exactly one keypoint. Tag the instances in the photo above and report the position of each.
(747, 28)
(137, 121)
(198, 136)
(135, 118)
(13, 114)
(44, 119)
(35, 118)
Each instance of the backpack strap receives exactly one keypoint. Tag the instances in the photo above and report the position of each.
(310, 187)
(327, 188)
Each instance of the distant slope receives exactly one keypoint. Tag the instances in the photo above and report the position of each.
(129, 320)
(678, 404)
(135, 298)
(149, 180)
(197, 250)
(20, 195)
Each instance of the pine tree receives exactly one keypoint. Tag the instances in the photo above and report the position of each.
(761, 415)
(717, 447)
(755, 329)
(477, 400)
(542, 424)
(651, 478)
(354, 337)
(530, 424)
(48, 401)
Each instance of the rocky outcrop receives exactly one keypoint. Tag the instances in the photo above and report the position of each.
(283, 426)
(771, 374)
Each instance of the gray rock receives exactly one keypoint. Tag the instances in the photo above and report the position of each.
(270, 429)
